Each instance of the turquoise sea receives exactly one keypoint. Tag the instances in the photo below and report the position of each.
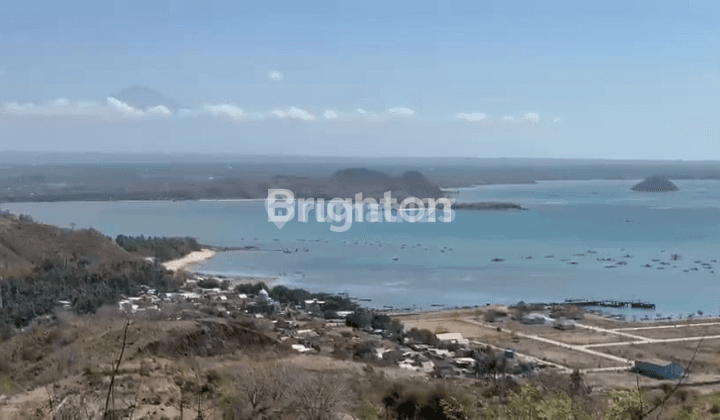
(579, 239)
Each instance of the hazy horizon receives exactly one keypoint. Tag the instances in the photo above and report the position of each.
(15, 157)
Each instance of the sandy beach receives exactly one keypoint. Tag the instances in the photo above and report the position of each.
(190, 259)
(205, 254)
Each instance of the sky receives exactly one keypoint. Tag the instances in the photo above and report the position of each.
(512, 78)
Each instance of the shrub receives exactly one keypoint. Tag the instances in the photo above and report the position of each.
(7, 384)
(209, 284)
(682, 394)
(423, 336)
(251, 288)
(368, 411)
(359, 319)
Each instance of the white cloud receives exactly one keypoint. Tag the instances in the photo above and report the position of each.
(300, 114)
(226, 110)
(159, 110)
(114, 109)
(290, 113)
(401, 111)
(532, 116)
(123, 107)
(475, 116)
(276, 76)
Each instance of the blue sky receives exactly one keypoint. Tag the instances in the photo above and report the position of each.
(606, 79)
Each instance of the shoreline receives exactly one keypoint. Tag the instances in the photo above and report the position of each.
(190, 259)
(209, 251)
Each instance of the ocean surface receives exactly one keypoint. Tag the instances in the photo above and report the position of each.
(579, 239)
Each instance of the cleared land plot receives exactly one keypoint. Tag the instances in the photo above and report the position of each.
(582, 336)
(456, 326)
(551, 353)
(578, 336)
(707, 360)
(450, 314)
(540, 350)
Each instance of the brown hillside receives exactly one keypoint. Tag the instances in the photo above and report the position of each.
(24, 245)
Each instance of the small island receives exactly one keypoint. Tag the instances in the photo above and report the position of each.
(655, 183)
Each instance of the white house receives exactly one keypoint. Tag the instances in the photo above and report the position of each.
(452, 338)
(535, 318)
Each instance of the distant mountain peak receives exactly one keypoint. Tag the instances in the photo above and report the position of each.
(143, 97)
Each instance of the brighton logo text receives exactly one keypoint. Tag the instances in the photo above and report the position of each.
(282, 207)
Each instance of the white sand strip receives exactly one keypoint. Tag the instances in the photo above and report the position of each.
(189, 259)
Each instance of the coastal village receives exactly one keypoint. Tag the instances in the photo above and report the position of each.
(482, 341)
(305, 329)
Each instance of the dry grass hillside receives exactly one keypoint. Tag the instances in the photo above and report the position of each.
(25, 245)
(62, 367)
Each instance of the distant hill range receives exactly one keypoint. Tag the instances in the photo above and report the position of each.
(655, 183)
(229, 181)
(373, 183)
(346, 183)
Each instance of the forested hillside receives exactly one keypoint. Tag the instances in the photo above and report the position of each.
(41, 265)
(161, 248)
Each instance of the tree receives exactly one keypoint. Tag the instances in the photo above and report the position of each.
(114, 373)
(262, 391)
(319, 397)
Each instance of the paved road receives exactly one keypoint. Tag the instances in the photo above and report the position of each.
(616, 332)
(702, 324)
(654, 341)
(606, 369)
